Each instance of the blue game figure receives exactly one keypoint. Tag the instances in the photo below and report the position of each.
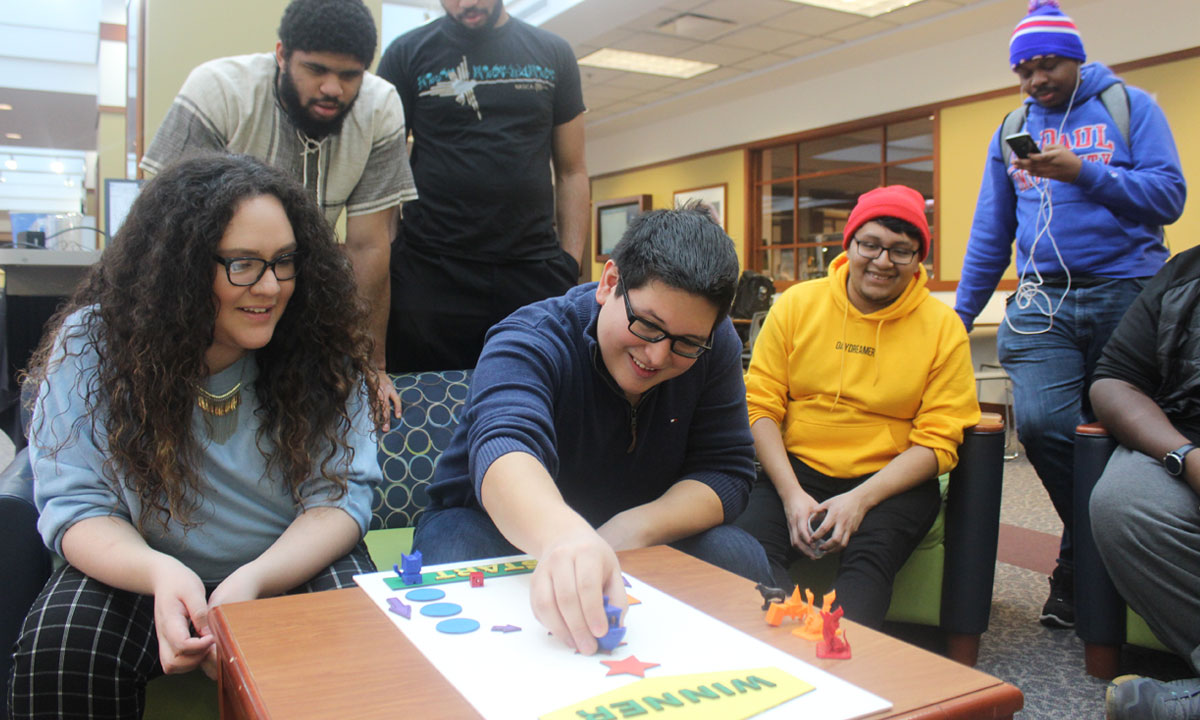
(616, 633)
(410, 565)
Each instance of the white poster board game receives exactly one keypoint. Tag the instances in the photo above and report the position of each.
(527, 674)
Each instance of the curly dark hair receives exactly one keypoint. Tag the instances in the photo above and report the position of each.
(152, 316)
(336, 26)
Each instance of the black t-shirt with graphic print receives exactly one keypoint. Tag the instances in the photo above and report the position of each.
(482, 110)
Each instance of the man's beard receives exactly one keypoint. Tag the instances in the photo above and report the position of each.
(492, 18)
(298, 113)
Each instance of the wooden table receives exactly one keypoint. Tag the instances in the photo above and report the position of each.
(334, 654)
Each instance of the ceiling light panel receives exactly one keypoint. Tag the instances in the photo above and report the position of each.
(646, 63)
(868, 8)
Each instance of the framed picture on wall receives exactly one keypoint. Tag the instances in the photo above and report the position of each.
(713, 196)
(612, 216)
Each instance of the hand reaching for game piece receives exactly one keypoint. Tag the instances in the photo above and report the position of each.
(567, 589)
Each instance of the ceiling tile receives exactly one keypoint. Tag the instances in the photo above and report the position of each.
(611, 37)
(918, 11)
(620, 107)
(697, 27)
(653, 97)
(708, 78)
(719, 54)
(861, 30)
(761, 61)
(651, 20)
(814, 21)
(759, 38)
(807, 47)
(593, 76)
(602, 95)
(582, 49)
(744, 12)
(685, 5)
(642, 81)
(656, 44)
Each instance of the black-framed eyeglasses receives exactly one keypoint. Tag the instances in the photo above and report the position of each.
(247, 271)
(898, 255)
(651, 333)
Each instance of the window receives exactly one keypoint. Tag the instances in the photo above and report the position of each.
(805, 190)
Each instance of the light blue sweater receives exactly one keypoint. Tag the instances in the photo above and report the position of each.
(243, 510)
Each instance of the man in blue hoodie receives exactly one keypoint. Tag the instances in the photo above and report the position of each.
(610, 418)
(1087, 211)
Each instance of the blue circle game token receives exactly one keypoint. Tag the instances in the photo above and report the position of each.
(458, 626)
(441, 610)
(424, 594)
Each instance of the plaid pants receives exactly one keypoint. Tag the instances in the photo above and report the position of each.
(87, 650)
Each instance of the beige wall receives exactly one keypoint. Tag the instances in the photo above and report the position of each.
(180, 35)
(662, 182)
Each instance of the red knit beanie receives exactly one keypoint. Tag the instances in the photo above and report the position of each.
(896, 201)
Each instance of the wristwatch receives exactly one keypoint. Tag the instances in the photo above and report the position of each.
(1173, 461)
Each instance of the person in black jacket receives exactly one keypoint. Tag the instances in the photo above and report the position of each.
(1145, 508)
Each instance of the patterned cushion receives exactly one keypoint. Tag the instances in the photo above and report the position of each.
(408, 453)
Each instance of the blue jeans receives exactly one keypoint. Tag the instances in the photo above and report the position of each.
(1051, 373)
(464, 534)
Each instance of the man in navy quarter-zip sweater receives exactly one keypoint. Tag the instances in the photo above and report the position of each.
(610, 418)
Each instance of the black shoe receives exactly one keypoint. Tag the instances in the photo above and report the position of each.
(1059, 610)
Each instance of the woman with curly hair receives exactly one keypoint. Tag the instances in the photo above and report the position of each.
(202, 434)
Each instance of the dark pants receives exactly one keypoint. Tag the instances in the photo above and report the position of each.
(1147, 529)
(463, 534)
(87, 650)
(442, 307)
(888, 534)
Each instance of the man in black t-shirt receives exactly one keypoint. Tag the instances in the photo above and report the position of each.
(493, 104)
(1145, 509)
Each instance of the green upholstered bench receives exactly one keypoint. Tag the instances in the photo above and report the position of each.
(431, 404)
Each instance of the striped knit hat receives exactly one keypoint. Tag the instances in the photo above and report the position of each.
(1045, 31)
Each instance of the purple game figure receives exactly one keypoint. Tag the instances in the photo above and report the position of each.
(410, 568)
(616, 633)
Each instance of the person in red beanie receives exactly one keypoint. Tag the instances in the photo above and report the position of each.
(859, 390)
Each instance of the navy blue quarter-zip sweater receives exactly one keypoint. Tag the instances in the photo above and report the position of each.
(541, 387)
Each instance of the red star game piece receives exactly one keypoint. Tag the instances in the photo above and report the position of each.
(629, 666)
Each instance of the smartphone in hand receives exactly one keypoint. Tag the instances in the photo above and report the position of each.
(1022, 144)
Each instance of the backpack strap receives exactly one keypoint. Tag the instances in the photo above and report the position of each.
(1013, 122)
(1116, 102)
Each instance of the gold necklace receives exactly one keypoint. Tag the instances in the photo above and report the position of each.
(223, 404)
(221, 411)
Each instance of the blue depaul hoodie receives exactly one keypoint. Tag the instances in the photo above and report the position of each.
(1108, 223)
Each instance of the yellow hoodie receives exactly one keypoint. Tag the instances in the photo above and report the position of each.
(851, 391)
